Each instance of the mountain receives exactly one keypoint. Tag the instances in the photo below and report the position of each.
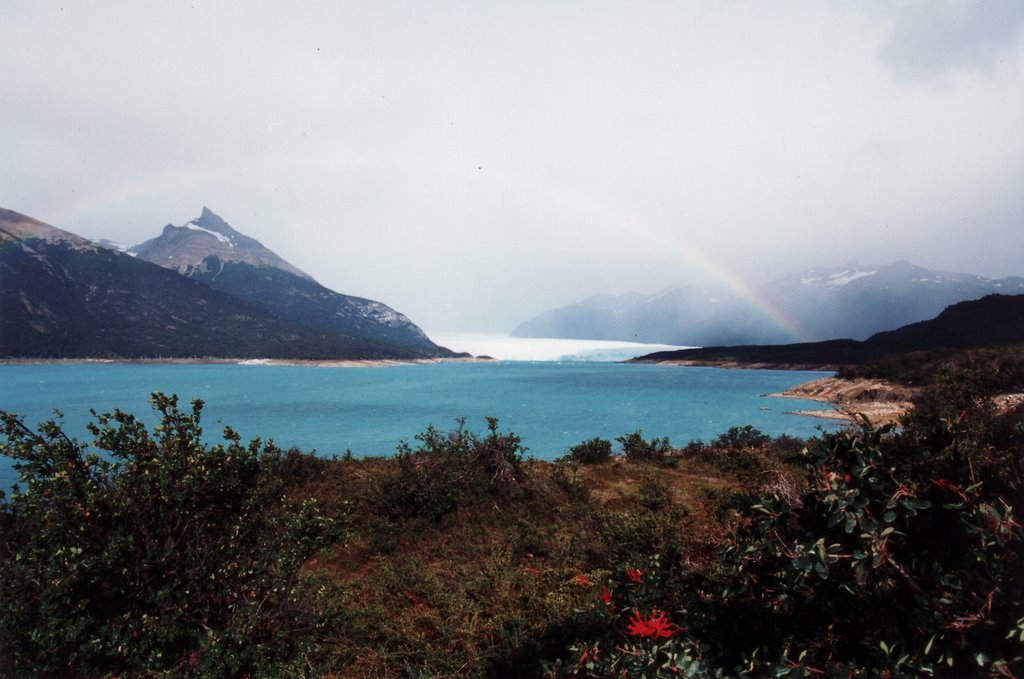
(62, 296)
(185, 248)
(992, 321)
(851, 301)
(209, 250)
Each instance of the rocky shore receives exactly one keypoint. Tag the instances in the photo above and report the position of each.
(876, 401)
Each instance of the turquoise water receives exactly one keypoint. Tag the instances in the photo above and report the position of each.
(370, 410)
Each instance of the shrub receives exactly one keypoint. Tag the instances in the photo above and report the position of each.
(155, 555)
(892, 559)
(626, 632)
(900, 555)
(566, 477)
(453, 468)
(738, 438)
(592, 451)
(653, 492)
(637, 449)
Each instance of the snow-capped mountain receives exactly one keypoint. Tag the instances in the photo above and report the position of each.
(209, 250)
(62, 296)
(850, 301)
(186, 248)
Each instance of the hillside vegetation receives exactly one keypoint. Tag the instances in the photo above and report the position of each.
(993, 324)
(868, 552)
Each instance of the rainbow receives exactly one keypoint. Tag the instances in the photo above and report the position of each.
(731, 280)
(660, 238)
(170, 179)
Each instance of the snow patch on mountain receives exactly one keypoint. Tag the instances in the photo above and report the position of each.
(839, 279)
(382, 313)
(114, 245)
(219, 236)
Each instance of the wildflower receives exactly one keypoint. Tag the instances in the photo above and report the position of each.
(656, 626)
(581, 580)
(634, 574)
(605, 596)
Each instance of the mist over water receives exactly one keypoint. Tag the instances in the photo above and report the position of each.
(506, 348)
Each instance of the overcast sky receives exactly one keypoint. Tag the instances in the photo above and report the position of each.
(474, 163)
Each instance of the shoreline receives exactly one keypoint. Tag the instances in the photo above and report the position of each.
(875, 401)
(743, 365)
(852, 401)
(294, 362)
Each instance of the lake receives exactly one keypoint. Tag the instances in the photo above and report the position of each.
(551, 405)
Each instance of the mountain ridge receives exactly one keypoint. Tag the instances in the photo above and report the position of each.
(990, 322)
(186, 247)
(209, 250)
(850, 301)
(62, 296)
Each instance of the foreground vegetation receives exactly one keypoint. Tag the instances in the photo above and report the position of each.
(868, 552)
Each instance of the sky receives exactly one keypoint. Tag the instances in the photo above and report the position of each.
(474, 163)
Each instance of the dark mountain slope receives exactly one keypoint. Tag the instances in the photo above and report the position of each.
(993, 321)
(63, 297)
(209, 250)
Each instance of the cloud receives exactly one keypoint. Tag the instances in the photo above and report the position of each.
(473, 164)
(933, 38)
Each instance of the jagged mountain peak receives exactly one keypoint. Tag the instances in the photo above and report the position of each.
(62, 295)
(211, 220)
(207, 249)
(205, 239)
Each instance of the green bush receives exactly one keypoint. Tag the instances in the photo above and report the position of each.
(592, 451)
(566, 476)
(453, 468)
(638, 449)
(895, 557)
(628, 632)
(738, 438)
(155, 555)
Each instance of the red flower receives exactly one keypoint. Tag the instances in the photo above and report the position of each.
(605, 596)
(847, 478)
(581, 580)
(656, 626)
(634, 574)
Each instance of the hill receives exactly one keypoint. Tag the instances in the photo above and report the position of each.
(993, 321)
(62, 296)
(209, 250)
(851, 301)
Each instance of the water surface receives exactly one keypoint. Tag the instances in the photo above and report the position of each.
(551, 405)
